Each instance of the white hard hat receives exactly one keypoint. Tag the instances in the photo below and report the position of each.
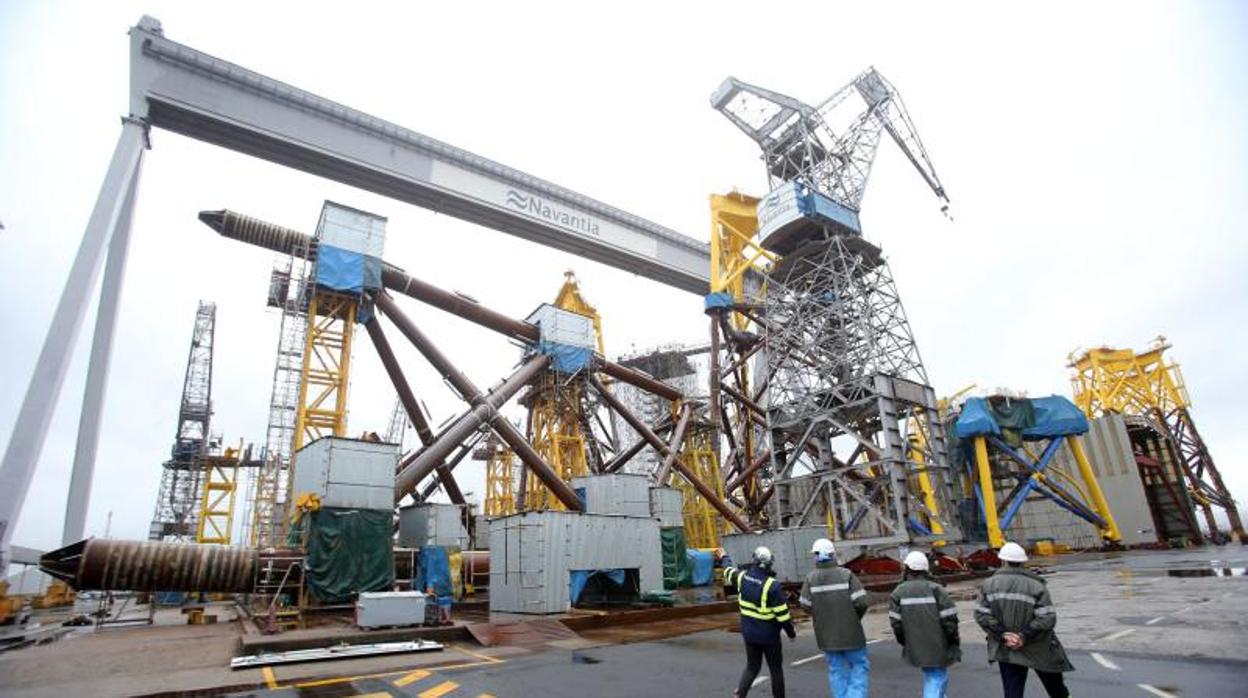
(917, 561)
(762, 555)
(824, 547)
(1012, 552)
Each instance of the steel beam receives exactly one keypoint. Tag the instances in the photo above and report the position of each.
(408, 399)
(192, 93)
(35, 415)
(659, 445)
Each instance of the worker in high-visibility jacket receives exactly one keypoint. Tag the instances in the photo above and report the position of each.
(925, 622)
(1018, 618)
(837, 602)
(764, 613)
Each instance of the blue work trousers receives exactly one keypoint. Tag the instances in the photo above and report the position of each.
(935, 681)
(847, 672)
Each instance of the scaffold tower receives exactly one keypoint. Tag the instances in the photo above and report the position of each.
(178, 501)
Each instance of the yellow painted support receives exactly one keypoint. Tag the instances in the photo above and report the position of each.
(570, 298)
(216, 513)
(500, 482)
(996, 538)
(918, 447)
(703, 524)
(326, 367)
(734, 224)
(1094, 488)
(557, 436)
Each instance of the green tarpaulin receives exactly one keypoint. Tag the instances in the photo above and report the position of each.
(348, 551)
(676, 570)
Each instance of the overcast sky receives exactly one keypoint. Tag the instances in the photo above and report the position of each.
(1095, 154)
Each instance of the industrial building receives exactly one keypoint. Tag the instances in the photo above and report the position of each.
(615, 488)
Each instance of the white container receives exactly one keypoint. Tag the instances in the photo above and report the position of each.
(347, 473)
(667, 504)
(389, 609)
(421, 525)
(352, 230)
(532, 555)
(617, 494)
(563, 327)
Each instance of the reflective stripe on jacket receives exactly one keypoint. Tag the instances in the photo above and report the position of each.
(763, 608)
(1017, 600)
(925, 622)
(837, 602)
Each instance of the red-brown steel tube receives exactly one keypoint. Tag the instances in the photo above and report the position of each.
(100, 564)
(678, 438)
(408, 399)
(659, 445)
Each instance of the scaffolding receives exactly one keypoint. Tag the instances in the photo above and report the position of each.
(1145, 385)
(703, 525)
(288, 292)
(179, 498)
(501, 469)
(556, 408)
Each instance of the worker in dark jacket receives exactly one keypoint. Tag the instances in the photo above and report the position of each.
(925, 623)
(837, 602)
(1018, 617)
(764, 613)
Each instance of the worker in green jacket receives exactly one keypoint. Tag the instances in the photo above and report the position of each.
(925, 623)
(836, 601)
(1018, 617)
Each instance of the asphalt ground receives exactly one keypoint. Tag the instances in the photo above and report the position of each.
(709, 663)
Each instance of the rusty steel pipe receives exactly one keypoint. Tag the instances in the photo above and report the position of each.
(483, 412)
(745, 475)
(408, 400)
(433, 483)
(641, 380)
(678, 438)
(99, 564)
(659, 445)
(621, 459)
(745, 401)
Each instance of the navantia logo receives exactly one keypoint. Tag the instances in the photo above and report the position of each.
(539, 208)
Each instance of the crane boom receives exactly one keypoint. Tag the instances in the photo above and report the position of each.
(832, 146)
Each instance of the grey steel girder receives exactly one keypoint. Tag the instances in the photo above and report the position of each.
(175, 87)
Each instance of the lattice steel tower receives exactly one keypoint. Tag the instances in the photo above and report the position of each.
(178, 502)
(845, 385)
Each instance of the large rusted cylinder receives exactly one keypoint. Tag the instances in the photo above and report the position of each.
(477, 568)
(98, 564)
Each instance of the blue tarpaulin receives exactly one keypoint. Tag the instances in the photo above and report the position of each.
(579, 578)
(1055, 416)
(719, 300)
(343, 270)
(976, 420)
(433, 570)
(702, 562)
(1047, 417)
(566, 358)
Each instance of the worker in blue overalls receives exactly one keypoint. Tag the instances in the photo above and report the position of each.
(764, 613)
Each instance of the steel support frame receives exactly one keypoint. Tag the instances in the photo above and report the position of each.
(110, 218)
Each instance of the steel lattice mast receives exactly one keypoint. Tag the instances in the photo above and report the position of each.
(178, 502)
(844, 388)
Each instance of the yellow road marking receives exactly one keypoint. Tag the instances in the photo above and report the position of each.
(375, 694)
(486, 695)
(478, 655)
(388, 674)
(412, 677)
(440, 690)
(269, 679)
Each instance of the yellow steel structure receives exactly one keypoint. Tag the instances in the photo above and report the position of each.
(326, 367)
(558, 436)
(703, 525)
(735, 253)
(983, 468)
(917, 438)
(734, 224)
(216, 513)
(1147, 385)
(500, 481)
(556, 411)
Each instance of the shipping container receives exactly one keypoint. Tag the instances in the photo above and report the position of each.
(347, 473)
